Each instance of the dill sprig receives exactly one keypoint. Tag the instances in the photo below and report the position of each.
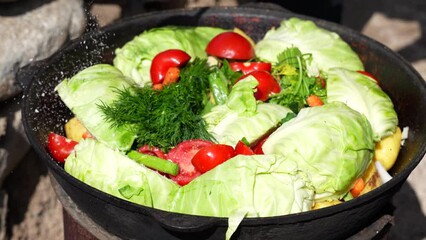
(167, 117)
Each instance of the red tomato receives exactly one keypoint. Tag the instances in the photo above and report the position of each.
(165, 60)
(182, 154)
(247, 67)
(230, 45)
(267, 84)
(368, 75)
(242, 149)
(60, 147)
(209, 157)
(153, 151)
(257, 149)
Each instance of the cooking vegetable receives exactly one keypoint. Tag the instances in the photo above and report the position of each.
(218, 86)
(358, 187)
(112, 172)
(314, 101)
(89, 88)
(74, 130)
(328, 50)
(371, 178)
(60, 147)
(168, 117)
(209, 157)
(267, 84)
(296, 84)
(387, 149)
(241, 117)
(243, 149)
(368, 75)
(246, 186)
(362, 94)
(153, 151)
(134, 59)
(340, 146)
(230, 45)
(183, 154)
(247, 67)
(165, 60)
(154, 162)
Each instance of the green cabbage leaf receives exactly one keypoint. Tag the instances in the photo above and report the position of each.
(135, 57)
(332, 144)
(327, 48)
(89, 88)
(364, 95)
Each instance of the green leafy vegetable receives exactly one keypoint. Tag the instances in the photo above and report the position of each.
(134, 58)
(85, 91)
(167, 117)
(295, 83)
(242, 117)
(114, 173)
(327, 48)
(332, 144)
(362, 94)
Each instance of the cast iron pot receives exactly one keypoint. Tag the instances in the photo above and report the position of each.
(44, 112)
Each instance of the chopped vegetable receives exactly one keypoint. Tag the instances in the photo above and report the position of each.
(358, 187)
(243, 149)
(230, 45)
(267, 84)
(314, 101)
(154, 162)
(327, 49)
(362, 94)
(134, 59)
(168, 117)
(165, 66)
(247, 67)
(296, 84)
(60, 147)
(333, 143)
(209, 157)
(182, 154)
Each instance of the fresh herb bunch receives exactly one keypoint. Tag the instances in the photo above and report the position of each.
(167, 117)
(296, 84)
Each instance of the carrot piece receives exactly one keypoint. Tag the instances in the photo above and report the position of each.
(358, 187)
(171, 76)
(86, 134)
(158, 86)
(314, 100)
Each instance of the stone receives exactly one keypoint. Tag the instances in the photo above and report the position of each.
(33, 30)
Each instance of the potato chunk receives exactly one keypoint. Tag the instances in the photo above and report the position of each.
(387, 149)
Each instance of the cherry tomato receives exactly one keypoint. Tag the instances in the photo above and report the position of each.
(247, 67)
(182, 154)
(165, 60)
(267, 84)
(230, 45)
(60, 147)
(209, 157)
(242, 149)
(368, 75)
(153, 151)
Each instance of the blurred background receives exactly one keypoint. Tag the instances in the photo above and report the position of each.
(35, 29)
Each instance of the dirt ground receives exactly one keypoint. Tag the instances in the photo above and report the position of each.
(37, 214)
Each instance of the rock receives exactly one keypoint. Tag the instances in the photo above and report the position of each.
(33, 30)
(13, 141)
